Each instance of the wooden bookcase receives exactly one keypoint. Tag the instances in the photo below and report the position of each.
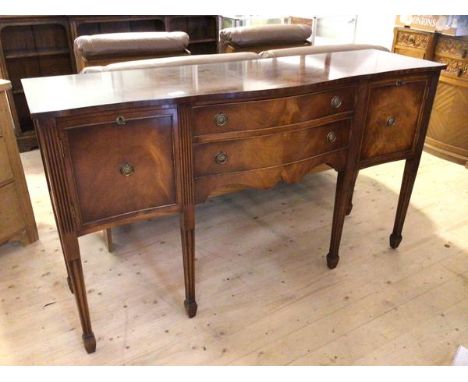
(33, 46)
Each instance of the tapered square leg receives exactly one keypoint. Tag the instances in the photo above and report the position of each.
(409, 176)
(187, 231)
(75, 269)
(344, 185)
(349, 207)
(69, 281)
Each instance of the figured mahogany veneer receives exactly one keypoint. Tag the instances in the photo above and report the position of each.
(139, 160)
(123, 146)
(393, 117)
(247, 116)
(269, 150)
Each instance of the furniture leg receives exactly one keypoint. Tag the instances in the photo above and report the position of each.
(77, 281)
(187, 231)
(108, 239)
(69, 282)
(409, 176)
(342, 197)
(350, 200)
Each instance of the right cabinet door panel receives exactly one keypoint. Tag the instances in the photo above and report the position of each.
(393, 116)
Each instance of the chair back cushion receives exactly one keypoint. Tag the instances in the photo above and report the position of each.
(278, 35)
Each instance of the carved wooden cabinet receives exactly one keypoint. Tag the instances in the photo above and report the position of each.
(447, 135)
(414, 43)
(16, 214)
(153, 142)
(39, 46)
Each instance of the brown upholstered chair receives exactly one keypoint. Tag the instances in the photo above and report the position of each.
(103, 49)
(264, 37)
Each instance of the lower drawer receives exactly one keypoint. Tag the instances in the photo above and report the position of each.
(270, 150)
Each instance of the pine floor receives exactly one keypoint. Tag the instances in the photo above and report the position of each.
(264, 293)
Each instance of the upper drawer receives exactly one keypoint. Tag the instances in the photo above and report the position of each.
(269, 150)
(122, 167)
(393, 117)
(254, 115)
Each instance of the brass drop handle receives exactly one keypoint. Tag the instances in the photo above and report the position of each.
(336, 102)
(331, 137)
(221, 119)
(391, 121)
(221, 158)
(120, 120)
(127, 169)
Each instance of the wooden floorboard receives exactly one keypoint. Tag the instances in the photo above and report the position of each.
(265, 295)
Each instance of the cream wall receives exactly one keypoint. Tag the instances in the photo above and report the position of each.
(375, 29)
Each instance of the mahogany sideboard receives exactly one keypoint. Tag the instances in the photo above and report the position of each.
(124, 146)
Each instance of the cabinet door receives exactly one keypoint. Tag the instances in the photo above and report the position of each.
(393, 117)
(122, 165)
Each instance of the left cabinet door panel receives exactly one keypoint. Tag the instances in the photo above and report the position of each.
(123, 166)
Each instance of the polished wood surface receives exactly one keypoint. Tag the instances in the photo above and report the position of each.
(213, 81)
(354, 91)
(16, 214)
